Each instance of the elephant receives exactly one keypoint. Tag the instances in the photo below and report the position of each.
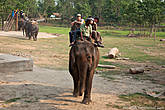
(31, 30)
(23, 24)
(83, 60)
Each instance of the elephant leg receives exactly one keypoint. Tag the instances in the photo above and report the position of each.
(88, 84)
(29, 36)
(74, 73)
(76, 86)
(23, 31)
(76, 81)
(35, 36)
(83, 75)
(26, 32)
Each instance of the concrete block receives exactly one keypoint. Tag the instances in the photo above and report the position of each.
(10, 63)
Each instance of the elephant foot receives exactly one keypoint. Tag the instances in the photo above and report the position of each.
(80, 94)
(75, 94)
(86, 101)
(35, 39)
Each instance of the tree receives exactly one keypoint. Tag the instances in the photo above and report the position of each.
(83, 8)
(46, 7)
(153, 13)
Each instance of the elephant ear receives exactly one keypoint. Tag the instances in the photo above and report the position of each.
(72, 54)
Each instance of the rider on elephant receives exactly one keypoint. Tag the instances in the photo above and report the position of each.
(96, 35)
(75, 28)
(86, 30)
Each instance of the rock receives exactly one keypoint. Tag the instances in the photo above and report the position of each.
(136, 70)
(131, 35)
(163, 66)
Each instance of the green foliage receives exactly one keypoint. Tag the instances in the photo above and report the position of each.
(137, 12)
(83, 8)
(148, 11)
(29, 7)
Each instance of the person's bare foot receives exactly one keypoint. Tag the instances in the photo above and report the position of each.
(71, 44)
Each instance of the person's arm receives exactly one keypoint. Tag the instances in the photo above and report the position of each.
(81, 29)
(72, 23)
(79, 22)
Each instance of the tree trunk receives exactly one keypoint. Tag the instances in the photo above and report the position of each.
(27, 14)
(107, 66)
(140, 30)
(154, 33)
(162, 39)
(152, 30)
(2, 23)
(144, 30)
(113, 53)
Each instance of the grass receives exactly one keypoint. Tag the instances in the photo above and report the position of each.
(55, 50)
(12, 100)
(132, 48)
(53, 53)
(143, 100)
(50, 29)
(50, 53)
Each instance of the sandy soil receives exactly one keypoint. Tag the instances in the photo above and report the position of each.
(45, 89)
(20, 34)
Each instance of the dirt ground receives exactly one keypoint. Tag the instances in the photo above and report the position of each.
(46, 89)
(20, 34)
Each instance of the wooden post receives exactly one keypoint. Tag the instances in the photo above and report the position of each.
(16, 23)
(2, 22)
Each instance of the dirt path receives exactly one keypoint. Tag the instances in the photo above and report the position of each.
(20, 34)
(45, 89)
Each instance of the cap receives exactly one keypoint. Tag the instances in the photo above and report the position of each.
(78, 15)
(89, 19)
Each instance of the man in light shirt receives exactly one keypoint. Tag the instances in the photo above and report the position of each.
(75, 28)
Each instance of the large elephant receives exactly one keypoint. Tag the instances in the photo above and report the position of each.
(31, 30)
(24, 25)
(83, 59)
(21, 24)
